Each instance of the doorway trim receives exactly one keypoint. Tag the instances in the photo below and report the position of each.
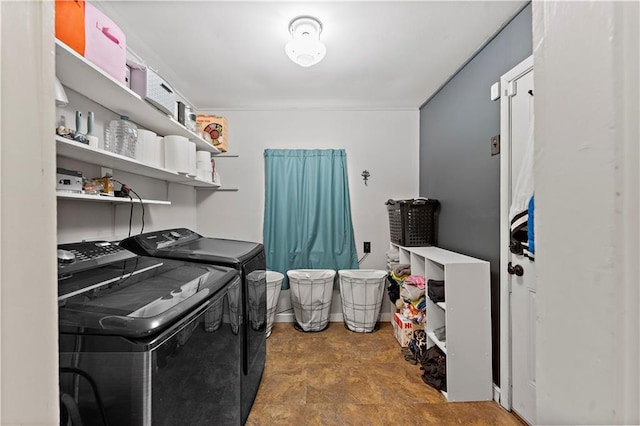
(507, 89)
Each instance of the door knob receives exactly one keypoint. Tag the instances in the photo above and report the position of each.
(515, 270)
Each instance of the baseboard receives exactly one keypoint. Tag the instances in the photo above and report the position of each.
(496, 393)
(284, 317)
(335, 317)
(386, 317)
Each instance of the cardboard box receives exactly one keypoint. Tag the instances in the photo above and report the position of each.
(216, 127)
(403, 329)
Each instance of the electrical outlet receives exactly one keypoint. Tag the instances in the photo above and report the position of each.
(105, 171)
(367, 247)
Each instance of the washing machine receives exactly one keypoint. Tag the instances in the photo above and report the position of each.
(246, 257)
(147, 341)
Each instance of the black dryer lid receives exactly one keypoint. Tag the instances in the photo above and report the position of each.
(181, 243)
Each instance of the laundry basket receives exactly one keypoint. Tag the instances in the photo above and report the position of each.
(256, 295)
(362, 291)
(274, 284)
(311, 291)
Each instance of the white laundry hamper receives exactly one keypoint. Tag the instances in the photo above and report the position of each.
(274, 284)
(362, 291)
(311, 292)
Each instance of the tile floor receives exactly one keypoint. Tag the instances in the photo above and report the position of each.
(338, 377)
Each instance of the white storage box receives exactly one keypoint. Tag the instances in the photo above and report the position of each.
(311, 292)
(361, 291)
(152, 88)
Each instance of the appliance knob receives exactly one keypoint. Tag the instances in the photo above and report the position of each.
(174, 234)
(65, 256)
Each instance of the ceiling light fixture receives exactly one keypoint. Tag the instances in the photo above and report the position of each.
(305, 47)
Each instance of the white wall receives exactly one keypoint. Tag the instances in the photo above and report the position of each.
(29, 355)
(383, 142)
(586, 171)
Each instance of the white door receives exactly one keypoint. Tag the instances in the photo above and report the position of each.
(518, 271)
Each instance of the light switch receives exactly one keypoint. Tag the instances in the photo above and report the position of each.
(495, 91)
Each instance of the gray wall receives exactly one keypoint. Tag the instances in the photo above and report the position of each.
(456, 166)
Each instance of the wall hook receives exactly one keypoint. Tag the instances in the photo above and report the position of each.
(365, 176)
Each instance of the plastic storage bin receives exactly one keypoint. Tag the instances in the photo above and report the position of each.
(274, 284)
(311, 292)
(413, 222)
(362, 291)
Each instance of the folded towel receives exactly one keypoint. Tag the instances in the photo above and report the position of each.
(411, 293)
(435, 290)
(398, 278)
(402, 269)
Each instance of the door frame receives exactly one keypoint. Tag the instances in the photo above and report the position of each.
(506, 91)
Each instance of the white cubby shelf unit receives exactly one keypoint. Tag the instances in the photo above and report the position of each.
(466, 315)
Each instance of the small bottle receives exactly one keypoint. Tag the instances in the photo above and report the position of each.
(121, 137)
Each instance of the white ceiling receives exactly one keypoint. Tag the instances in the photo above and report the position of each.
(380, 54)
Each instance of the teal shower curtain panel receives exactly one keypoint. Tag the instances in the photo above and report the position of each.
(307, 217)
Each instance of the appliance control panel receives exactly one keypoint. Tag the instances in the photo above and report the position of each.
(75, 257)
(162, 239)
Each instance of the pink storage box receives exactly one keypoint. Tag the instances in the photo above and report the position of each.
(105, 45)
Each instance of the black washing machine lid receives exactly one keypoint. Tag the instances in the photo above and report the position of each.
(136, 297)
(181, 243)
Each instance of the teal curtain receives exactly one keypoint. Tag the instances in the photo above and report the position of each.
(307, 215)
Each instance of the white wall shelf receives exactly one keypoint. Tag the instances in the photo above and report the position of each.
(82, 152)
(104, 199)
(201, 183)
(222, 188)
(77, 73)
(465, 314)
